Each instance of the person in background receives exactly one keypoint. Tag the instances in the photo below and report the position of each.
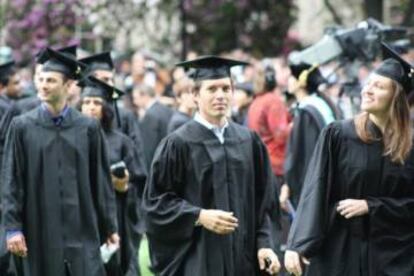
(154, 119)
(243, 96)
(127, 171)
(10, 88)
(311, 114)
(269, 117)
(186, 104)
(101, 66)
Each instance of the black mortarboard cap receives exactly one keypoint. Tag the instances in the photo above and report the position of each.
(59, 62)
(247, 87)
(210, 67)
(309, 74)
(102, 61)
(94, 87)
(68, 50)
(395, 68)
(6, 69)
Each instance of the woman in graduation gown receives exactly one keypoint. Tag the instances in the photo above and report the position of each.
(128, 175)
(355, 215)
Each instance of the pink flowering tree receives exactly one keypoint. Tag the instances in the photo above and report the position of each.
(31, 25)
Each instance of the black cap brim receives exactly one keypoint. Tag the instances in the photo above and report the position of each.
(102, 61)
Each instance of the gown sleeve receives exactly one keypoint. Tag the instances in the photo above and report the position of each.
(167, 214)
(12, 180)
(135, 164)
(268, 230)
(310, 224)
(101, 183)
(391, 210)
(302, 141)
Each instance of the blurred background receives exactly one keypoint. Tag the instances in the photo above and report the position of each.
(169, 29)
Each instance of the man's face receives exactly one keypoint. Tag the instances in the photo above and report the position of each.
(105, 76)
(214, 98)
(52, 87)
(13, 88)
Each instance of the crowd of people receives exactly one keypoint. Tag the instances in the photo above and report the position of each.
(228, 165)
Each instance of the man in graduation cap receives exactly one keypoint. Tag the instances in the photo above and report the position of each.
(57, 191)
(102, 67)
(207, 199)
(30, 103)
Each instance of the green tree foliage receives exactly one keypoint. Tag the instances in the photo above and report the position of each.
(215, 26)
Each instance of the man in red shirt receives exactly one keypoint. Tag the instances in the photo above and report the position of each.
(270, 118)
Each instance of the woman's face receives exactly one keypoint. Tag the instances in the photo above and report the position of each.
(92, 107)
(377, 95)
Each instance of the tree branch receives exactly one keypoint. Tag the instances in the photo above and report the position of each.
(332, 10)
(408, 14)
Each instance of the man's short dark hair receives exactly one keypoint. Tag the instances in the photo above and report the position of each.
(5, 78)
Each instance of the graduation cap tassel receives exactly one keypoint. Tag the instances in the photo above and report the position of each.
(118, 119)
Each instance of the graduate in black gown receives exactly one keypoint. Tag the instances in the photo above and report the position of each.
(57, 194)
(186, 105)
(355, 215)
(128, 183)
(9, 87)
(101, 66)
(311, 114)
(209, 190)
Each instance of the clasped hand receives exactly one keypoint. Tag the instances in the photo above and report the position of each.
(350, 208)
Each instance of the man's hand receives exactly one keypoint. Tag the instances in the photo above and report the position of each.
(293, 262)
(350, 208)
(17, 245)
(121, 184)
(217, 221)
(274, 264)
(113, 239)
(284, 196)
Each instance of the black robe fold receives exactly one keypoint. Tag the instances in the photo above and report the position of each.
(121, 148)
(153, 127)
(191, 171)
(307, 126)
(177, 120)
(56, 188)
(380, 243)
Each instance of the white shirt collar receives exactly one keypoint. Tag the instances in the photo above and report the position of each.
(217, 130)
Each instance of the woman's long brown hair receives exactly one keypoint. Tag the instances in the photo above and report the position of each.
(397, 137)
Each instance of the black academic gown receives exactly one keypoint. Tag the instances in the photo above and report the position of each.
(28, 104)
(193, 170)
(380, 243)
(130, 127)
(177, 120)
(307, 126)
(6, 107)
(154, 126)
(57, 190)
(121, 148)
